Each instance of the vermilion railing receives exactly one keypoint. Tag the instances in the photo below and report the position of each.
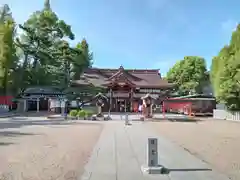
(6, 100)
(185, 107)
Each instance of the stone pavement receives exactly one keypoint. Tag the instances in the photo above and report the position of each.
(121, 151)
(136, 116)
(7, 114)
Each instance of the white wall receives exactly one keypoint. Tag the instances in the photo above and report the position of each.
(226, 115)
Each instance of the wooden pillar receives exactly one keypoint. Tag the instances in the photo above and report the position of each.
(49, 101)
(99, 109)
(151, 110)
(110, 100)
(62, 105)
(163, 109)
(24, 105)
(131, 100)
(125, 105)
(38, 104)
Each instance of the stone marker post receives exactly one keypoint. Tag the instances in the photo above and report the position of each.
(126, 120)
(152, 166)
(152, 152)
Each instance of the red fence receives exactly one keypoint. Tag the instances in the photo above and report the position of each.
(183, 107)
(6, 100)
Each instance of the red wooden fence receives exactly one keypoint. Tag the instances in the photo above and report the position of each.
(6, 100)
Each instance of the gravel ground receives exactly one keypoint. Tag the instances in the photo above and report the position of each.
(46, 152)
(216, 142)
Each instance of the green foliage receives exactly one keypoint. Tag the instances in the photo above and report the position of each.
(5, 14)
(225, 73)
(189, 75)
(48, 59)
(73, 113)
(89, 113)
(82, 60)
(42, 37)
(81, 113)
(8, 57)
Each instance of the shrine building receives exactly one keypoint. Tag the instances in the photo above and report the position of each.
(125, 86)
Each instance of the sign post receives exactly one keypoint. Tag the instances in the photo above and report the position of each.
(126, 119)
(153, 166)
(152, 152)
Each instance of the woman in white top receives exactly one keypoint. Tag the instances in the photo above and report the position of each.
(140, 108)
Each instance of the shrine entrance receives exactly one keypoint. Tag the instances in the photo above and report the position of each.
(122, 105)
(43, 104)
(121, 98)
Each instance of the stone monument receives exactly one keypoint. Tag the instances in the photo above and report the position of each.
(127, 122)
(100, 103)
(147, 107)
(152, 166)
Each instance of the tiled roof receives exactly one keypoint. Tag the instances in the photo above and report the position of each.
(138, 77)
(42, 90)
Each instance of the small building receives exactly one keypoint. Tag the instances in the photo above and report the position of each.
(124, 87)
(40, 99)
(198, 104)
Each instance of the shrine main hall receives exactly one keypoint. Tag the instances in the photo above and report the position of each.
(125, 87)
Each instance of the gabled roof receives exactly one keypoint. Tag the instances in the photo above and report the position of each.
(148, 96)
(196, 96)
(123, 72)
(139, 77)
(100, 95)
(42, 90)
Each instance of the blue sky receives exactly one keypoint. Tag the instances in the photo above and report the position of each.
(143, 33)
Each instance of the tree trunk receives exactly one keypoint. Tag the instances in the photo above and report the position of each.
(67, 73)
(5, 82)
(22, 72)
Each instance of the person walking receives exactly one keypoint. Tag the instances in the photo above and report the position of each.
(121, 109)
(140, 108)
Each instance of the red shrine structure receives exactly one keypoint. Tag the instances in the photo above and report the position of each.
(125, 87)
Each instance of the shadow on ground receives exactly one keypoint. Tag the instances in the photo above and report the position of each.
(5, 143)
(190, 120)
(14, 134)
(18, 122)
(169, 170)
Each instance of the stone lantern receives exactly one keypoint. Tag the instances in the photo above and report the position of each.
(100, 103)
(148, 102)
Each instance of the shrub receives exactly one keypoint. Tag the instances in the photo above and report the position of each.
(89, 113)
(81, 113)
(73, 113)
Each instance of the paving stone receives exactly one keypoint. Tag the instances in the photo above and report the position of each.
(122, 151)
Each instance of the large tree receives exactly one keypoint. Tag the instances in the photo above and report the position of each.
(217, 67)
(44, 48)
(42, 34)
(8, 58)
(225, 73)
(83, 60)
(189, 75)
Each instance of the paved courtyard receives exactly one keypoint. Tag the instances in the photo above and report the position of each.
(214, 141)
(36, 149)
(121, 152)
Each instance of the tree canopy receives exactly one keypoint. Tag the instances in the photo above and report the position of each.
(42, 54)
(8, 58)
(225, 73)
(189, 75)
